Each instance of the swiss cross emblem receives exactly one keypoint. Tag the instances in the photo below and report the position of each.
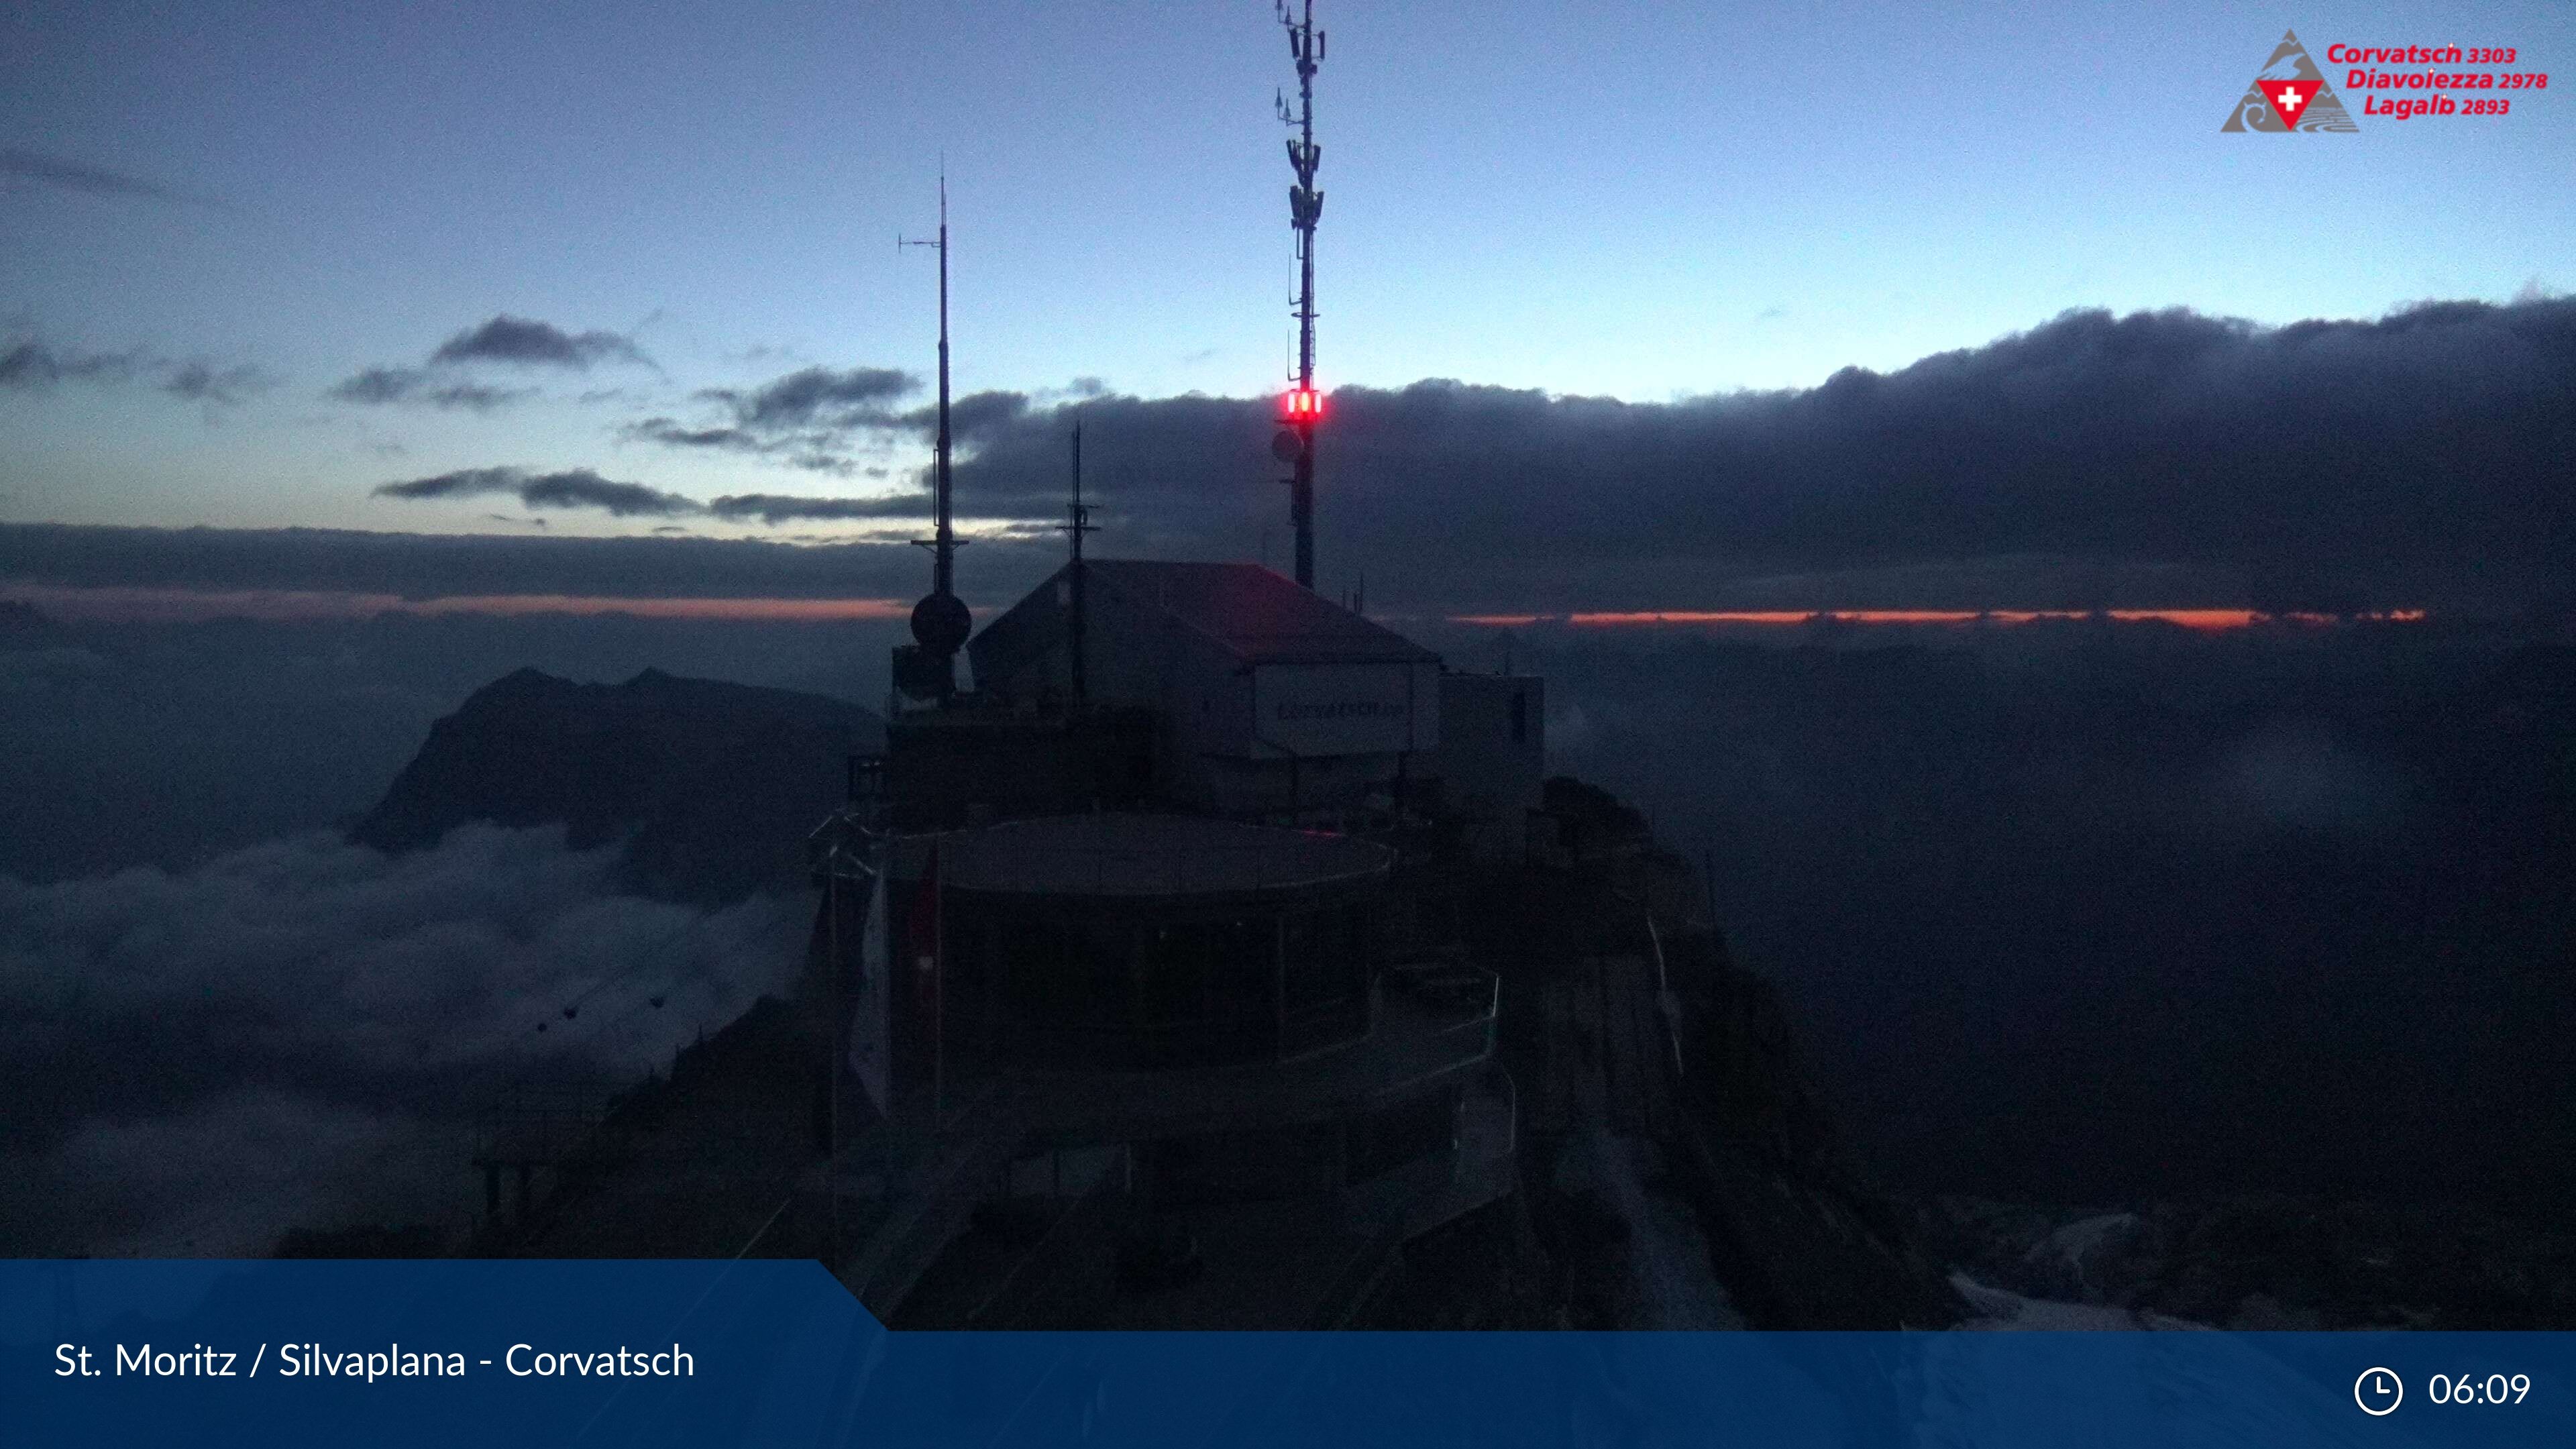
(2290, 98)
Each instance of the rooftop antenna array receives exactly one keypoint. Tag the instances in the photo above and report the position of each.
(940, 622)
(1302, 408)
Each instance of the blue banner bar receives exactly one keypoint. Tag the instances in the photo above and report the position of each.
(776, 1353)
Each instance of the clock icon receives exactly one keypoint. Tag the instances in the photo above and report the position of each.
(2378, 1392)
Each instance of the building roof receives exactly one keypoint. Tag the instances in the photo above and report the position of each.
(1256, 615)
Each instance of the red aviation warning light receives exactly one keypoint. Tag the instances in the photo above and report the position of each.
(1300, 408)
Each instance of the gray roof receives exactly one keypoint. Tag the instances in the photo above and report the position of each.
(1256, 615)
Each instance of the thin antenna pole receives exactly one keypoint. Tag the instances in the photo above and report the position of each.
(941, 622)
(943, 543)
(1078, 524)
(1305, 206)
(943, 577)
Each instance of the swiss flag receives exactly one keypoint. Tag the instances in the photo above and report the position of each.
(2289, 98)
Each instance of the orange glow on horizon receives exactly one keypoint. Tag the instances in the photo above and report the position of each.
(2190, 618)
(1697, 616)
(2204, 620)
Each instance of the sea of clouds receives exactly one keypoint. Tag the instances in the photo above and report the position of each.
(303, 1032)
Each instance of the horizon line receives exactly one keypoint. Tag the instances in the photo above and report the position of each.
(178, 604)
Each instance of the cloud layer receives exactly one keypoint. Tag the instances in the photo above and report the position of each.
(419, 384)
(2426, 456)
(428, 566)
(300, 1032)
(2160, 459)
(32, 365)
(445, 380)
(810, 418)
(817, 418)
(529, 342)
(573, 488)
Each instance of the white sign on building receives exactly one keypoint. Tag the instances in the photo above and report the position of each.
(1342, 709)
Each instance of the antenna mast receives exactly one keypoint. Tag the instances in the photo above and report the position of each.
(940, 622)
(1296, 442)
(943, 547)
(1078, 523)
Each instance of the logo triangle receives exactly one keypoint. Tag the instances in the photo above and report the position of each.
(2289, 94)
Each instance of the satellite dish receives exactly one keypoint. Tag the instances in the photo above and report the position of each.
(1285, 445)
(940, 623)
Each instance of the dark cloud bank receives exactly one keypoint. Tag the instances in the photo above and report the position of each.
(2161, 458)
(2158, 459)
(2423, 457)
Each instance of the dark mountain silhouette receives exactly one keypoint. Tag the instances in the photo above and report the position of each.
(712, 786)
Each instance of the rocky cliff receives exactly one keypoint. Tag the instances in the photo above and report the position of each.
(710, 786)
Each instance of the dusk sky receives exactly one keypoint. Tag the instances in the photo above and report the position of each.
(235, 239)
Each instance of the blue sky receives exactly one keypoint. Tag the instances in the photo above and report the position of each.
(1655, 203)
